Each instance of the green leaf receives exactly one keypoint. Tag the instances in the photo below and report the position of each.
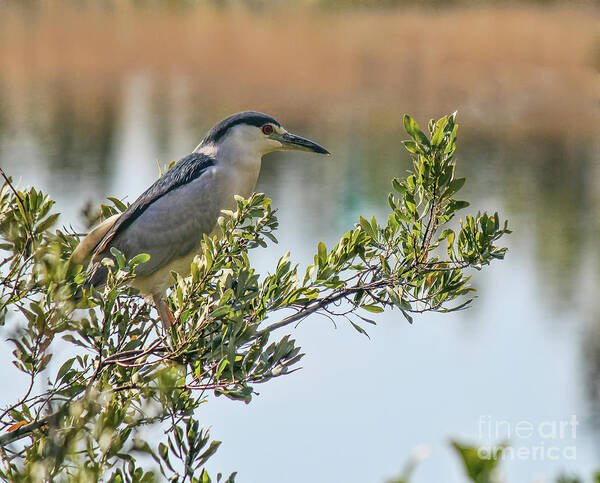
(119, 257)
(359, 329)
(118, 204)
(438, 132)
(163, 451)
(454, 186)
(479, 463)
(413, 129)
(374, 226)
(397, 185)
(368, 321)
(64, 368)
(411, 146)
(47, 223)
(204, 478)
(375, 309)
(455, 205)
(407, 316)
(139, 259)
(322, 254)
(366, 226)
(212, 449)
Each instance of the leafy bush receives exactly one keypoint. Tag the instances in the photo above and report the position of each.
(124, 374)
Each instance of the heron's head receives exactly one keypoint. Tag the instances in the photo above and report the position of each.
(255, 134)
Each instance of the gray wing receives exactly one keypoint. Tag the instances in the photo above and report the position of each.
(167, 221)
(172, 226)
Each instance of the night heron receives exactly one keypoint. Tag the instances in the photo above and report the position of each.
(169, 219)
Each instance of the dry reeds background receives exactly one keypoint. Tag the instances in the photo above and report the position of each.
(539, 66)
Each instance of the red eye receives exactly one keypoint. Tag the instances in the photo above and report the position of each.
(267, 129)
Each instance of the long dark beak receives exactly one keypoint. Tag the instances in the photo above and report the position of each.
(293, 142)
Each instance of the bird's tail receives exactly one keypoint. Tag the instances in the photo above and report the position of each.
(96, 277)
(96, 272)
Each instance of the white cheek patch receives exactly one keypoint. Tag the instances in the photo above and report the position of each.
(208, 149)
(274, 145)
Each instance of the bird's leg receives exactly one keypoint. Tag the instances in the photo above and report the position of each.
(166, 317)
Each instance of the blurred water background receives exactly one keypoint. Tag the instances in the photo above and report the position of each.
(92, 97)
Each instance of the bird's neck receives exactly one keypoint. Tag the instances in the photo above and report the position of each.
(233, 155)
(241, 166)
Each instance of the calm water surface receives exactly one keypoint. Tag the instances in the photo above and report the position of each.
(527, 350)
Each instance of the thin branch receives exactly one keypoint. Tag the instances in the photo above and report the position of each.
(5, 460)
(26, 429)
(320, 304)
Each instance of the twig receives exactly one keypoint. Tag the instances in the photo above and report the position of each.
(26, 429)
(324, 302)
(5, 460)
